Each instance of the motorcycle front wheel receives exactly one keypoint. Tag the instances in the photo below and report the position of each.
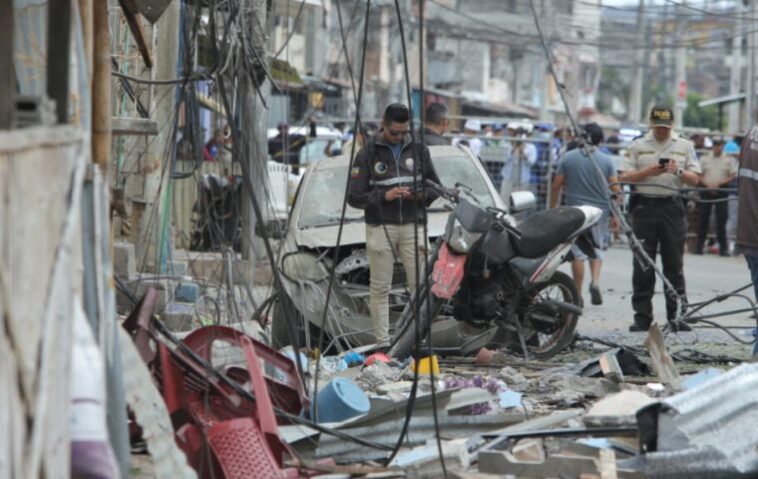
(407, 332)
(547, 328)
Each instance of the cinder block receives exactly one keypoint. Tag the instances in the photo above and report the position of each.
(187, 292)
(124, 260)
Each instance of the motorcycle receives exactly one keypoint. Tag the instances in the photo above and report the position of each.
(500, 277)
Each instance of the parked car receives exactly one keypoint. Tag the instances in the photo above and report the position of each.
(309, 247)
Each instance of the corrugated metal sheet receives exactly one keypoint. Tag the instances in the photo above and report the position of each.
(420, 430)
(708, 431)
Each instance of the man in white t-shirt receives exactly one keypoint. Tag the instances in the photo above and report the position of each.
(719, 170)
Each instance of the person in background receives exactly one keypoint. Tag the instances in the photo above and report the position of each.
(661, 163)
(435, 126)
(285, 147)
(214, 149)
(578, 178)
(472, 129)
(719, 170)
(359, 138)
(517, 170)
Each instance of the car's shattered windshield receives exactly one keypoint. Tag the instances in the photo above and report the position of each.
(325, 191)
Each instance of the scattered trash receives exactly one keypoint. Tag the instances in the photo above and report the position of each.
(353, 358)
(662, 362)
(289, 351)
(332, 364)
(427, 365)
(341, 399)
(230, 393)
(510, 399)
(382, 357)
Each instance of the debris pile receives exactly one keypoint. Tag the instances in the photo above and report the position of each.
(239, 408)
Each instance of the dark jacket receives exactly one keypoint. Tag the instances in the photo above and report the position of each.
(747, 192)
(431, 138)
(376, 170)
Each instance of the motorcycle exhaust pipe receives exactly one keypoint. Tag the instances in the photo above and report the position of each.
(563, 306)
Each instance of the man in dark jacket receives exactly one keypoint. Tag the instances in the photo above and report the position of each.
(285, 147)
(747, 215)
(386, 181)
(436, 125)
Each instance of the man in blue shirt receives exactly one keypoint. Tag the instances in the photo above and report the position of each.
(578, 177)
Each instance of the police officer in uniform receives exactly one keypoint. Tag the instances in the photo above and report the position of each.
(661, 162)
(382, 183)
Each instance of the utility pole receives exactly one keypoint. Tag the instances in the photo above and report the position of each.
(680, 69)
(543, 66)
(735, 75)
(750, 90)
(646, 62)
(255, 125)
(635, 95)
(147, 184)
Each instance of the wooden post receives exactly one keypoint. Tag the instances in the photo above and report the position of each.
(85, 12)
(101, 87)
(7, 77)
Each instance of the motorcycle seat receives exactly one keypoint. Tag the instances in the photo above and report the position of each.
(543, 231)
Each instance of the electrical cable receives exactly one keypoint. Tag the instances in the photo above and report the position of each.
(616, 47)
(292, 32)
(419, 286)
(422, 116)
(637, 249)
(145, 81)
(244, 160)
(358, 99)
(165, 332)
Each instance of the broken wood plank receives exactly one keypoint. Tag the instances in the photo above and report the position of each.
(662, 363)
(134, 19)
(609, 364)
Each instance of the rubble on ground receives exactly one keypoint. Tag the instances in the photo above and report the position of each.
(617, 413)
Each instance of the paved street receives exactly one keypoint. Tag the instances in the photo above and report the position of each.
(706, 276)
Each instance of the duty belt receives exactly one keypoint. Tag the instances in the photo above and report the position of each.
(657, 200)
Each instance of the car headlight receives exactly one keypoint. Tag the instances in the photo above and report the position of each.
(459, 239)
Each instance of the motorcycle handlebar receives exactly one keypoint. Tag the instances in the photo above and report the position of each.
(451, 194)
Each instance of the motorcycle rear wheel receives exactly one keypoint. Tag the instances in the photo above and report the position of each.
(543, 344)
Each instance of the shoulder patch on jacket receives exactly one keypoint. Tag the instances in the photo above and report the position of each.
(355, 172)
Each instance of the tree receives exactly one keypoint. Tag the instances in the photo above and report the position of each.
(695, 116)
(612, 85)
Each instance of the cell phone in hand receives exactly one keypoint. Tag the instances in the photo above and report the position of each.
(663, 162)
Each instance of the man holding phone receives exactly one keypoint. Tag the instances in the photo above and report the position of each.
(385, 181)
(660, 163)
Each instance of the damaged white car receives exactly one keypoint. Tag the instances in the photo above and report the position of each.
(308, 251)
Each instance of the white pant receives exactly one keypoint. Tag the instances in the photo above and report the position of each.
(381, 263)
